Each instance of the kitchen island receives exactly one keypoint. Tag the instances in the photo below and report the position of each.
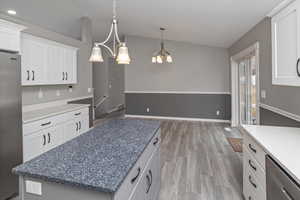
(118, 160)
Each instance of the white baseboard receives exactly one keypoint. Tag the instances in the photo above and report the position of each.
(28, 108)
(280, 112)
(177, 118)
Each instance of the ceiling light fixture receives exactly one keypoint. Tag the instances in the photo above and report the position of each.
(12, 12)
(119, 50)
(162, 55)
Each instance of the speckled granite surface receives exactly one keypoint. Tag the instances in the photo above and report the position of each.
(98, 160)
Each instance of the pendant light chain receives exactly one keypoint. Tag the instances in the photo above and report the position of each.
(114, 9)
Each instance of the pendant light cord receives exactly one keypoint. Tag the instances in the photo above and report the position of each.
(114, 9)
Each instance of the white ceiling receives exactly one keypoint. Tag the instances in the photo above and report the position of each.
(208, 22)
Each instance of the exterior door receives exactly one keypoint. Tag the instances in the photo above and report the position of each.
(248, 90)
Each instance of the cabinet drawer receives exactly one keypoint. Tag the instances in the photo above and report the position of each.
(255, 150)
(136, 172)
(255, 168)
(252, 186)
(42, 124)
(79, 113)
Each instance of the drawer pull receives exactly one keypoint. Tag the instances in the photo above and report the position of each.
(136, 177)
(46, 124)
(252, 148)
(44, 137)
(76, 114)
(49, 138)
(287, 194)
(252, 183)
(28, 75)
(251, 165)
(77, 126)
(155, 141)
(149, 180)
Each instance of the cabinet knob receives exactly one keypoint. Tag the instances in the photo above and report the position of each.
(155, 141)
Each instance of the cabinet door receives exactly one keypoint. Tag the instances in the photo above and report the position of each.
(70, 65)
(54, 136)
(285, 46)
(154, 173)
(70, 130)
(55, 64)
(33, 61)
(83, 124)
(34, 145)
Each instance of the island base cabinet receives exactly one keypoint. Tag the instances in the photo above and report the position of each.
(149, 185)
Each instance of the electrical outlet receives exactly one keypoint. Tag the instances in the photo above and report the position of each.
(218, 112)
(263, 94)
(57, 93)
(40, 94)
(148, 110)
(33, 187)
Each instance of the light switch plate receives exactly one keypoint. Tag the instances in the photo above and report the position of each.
(263, 94)
(33, 187)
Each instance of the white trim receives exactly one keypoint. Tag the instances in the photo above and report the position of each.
(279, 7)
(33, 107)
(177, 118)
(235, 82)
(281, 112)
(173, 92)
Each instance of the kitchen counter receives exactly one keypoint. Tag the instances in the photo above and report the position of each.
(51, 111)
(97, 160)
(281, 143)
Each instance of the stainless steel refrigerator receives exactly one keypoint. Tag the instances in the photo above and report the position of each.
(10, 123)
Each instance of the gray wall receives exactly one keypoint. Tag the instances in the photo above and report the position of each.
(198, 69)
(30, 94)
(283, 97)
(108, 80)
(203, 106)
(195, 68)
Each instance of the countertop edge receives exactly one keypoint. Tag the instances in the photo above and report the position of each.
(56, 113)
(271, 154)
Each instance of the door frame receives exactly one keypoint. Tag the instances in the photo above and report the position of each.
(234, 60)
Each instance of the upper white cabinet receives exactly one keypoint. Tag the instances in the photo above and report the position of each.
(46, 62)
(10, 36)
(286, 46)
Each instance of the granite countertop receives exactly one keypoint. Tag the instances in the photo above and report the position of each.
(97, 160)
(281, 143)
(51, 111)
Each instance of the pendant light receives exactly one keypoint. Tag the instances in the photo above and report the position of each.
(162, 55)
(119, 50)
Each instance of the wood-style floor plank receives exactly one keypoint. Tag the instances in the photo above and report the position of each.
(198, 163)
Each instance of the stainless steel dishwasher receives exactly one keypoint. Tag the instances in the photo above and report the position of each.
(280, 186)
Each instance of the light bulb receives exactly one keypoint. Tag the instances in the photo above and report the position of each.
(159, 59)
(96, 55)
(123, 55)
(153, 59)
(169, 59)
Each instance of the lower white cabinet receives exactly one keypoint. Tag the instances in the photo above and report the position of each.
(44, 135)
(254, 175)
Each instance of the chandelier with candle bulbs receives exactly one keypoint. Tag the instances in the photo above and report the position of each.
(119, 49)
(162, 55)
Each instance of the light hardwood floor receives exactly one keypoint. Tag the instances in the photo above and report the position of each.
(198, 163)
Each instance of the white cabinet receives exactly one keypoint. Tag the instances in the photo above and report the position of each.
(10, 36)
(254, 174)
(33, 145)
(33, 61)
(286, 46)
(46, 62)
(43, 135)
